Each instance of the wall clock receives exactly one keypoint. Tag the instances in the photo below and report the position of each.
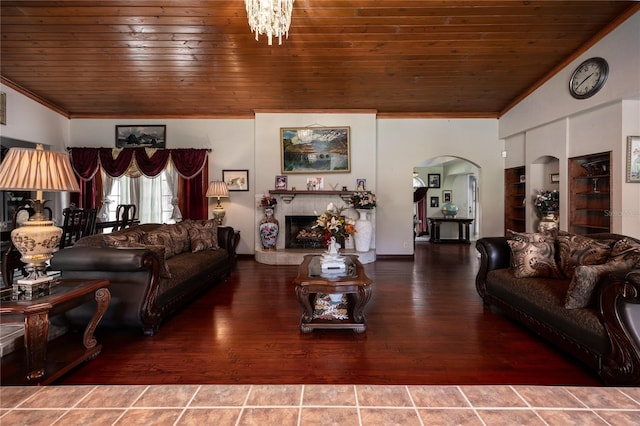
(588, 78)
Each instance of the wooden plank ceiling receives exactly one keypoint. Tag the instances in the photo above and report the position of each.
(199, 59)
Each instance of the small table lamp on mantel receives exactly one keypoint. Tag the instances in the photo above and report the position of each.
(27, 169)
(218, 189)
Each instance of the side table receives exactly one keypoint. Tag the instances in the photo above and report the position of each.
(354, 283)
(65, 295)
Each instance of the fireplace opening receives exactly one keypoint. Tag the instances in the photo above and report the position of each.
(300, 233)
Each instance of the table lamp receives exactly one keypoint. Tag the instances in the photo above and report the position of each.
(27, 169)
(218, 189)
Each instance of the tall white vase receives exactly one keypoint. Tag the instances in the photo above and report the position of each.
(364, 231)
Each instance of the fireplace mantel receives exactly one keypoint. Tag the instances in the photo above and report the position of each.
(287, 196)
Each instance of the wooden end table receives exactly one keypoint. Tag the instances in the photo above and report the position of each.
(354, 283)
(64, 295)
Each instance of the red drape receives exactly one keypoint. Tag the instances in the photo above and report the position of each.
(190, 164)
(420, 197)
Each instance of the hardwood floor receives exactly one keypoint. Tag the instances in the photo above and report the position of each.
(426, 325)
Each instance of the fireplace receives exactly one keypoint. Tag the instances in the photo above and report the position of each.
(300, 233)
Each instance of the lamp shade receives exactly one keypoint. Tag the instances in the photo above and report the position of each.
(218, 189)
(27, 169)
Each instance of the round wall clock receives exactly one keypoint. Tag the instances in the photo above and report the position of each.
(588, 78)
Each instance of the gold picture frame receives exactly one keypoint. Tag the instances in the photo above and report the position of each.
(315, 149)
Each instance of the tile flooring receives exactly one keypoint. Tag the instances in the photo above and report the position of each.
(297, 405)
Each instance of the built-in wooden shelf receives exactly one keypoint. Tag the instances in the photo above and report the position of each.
(514, 209)
(588, 209)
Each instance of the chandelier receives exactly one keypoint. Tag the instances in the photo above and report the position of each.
(270, 17)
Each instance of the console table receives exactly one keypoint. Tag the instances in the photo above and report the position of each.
(42, 367)
(463, 229)
(353, 282)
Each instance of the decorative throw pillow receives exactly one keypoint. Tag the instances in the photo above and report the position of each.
(203, 238)
(533, 259)
(533, 237)
(576, 250)
(123, 239)
(585, 279)
(625, 249)
(161, 237)
(157, 250)
(180, 237)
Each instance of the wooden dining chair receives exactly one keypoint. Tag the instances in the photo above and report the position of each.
(77, 223)
(125, 215)
(11, 256)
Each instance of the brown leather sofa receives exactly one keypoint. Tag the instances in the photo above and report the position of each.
(151, 275)
(604, 334)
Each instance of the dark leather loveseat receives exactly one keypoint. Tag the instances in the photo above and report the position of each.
(153, 269)
(604, 331)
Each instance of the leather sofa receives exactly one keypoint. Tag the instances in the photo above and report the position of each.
(603, 331)
(153, 269)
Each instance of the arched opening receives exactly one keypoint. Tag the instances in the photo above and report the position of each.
(446, 179)
(543, 174)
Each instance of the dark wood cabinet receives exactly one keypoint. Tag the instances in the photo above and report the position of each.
(514, 203)
(590, 193)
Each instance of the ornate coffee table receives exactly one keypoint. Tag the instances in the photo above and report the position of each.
(353, 282)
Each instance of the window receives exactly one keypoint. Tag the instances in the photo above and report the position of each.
(152, 196)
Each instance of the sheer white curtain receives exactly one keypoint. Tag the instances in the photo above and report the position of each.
(171, 175)
(107, 187)
(150, 199)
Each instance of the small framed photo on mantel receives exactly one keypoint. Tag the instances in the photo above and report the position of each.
(281, 182)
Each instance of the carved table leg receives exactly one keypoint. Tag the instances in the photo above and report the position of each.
(103, 297)
(363, 296)
(303, 297)
(36, 332)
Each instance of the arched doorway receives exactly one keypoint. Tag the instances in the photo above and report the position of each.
(446, 179)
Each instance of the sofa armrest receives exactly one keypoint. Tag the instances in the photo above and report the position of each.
(495, 253)
(228, 239)
(103, 259)
(619, 307)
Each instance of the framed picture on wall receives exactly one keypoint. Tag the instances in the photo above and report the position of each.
(433, 180)
(151, 136)
(315, 149)
(555, 177)
(434, 202)
(633, 159)
(446, 196)
(236, 180)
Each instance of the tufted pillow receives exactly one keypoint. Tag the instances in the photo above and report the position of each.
(576, 250)
(586, 277)
(203, 238)
(157, 250)
(161, 237)
(533, 237)
(625, 249)
(533, 259)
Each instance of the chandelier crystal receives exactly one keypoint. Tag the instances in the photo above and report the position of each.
(270, 17)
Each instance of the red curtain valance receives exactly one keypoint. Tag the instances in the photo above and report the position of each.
(86, 162)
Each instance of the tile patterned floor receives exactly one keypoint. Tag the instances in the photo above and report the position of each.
(299, 405)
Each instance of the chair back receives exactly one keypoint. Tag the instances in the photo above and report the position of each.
(125, 215)
(78, 223)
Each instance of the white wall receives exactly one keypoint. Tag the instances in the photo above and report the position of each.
(231, 144)
(550, 122)
(403, 143)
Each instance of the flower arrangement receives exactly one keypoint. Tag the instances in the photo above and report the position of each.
(335, 224)
(547, 201)
(268, 201)
(363, 200)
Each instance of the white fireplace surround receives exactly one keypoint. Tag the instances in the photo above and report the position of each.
(305, 205)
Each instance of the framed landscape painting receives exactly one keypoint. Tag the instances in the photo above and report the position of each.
(315, 149)
(633, 159)
(153, 136)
